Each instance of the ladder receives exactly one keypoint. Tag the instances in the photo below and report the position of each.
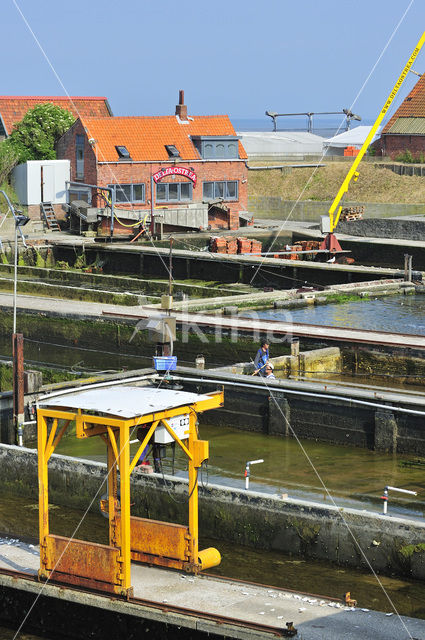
(50, 216)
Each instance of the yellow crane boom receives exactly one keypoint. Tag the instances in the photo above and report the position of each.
(353, 173)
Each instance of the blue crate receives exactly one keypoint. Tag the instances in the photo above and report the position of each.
(165, 363)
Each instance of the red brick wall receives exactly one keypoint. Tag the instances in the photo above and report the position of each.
(131, 172)
(65, 149)
(390, 145)
(35, 213)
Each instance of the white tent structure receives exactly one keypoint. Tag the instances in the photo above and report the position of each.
(275, 145)
(352, 138)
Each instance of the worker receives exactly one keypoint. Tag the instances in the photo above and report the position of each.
(268, 369)
(261, 358)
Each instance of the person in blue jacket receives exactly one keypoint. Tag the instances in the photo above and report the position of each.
(261, 358)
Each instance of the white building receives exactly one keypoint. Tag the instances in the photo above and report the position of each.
(39, 181)
(281, 145)
(352, 138)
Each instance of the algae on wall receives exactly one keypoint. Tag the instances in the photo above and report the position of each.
(114, 336)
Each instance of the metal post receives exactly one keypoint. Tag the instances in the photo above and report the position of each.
(15, 278)
(124, 462)
(247, 470)
(113, 201)
(409, 269)
(152, 208)
(112, 489)
(385, 496)
(18, 385)
(193, 494)
(43, 497)
(385, 499)
(247, 476)
(170, 272)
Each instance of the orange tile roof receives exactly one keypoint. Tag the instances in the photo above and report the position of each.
(13, 108)
(145, 137)
(412, 107)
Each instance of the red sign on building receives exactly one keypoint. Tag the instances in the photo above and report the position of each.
(175, 171)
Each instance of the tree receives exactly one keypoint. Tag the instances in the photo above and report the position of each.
(8, 159)
(35, 136)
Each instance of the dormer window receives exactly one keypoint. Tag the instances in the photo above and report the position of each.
(172, 151)
(123, 152)
(217, 147)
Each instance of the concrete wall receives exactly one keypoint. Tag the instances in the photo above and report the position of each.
(260, 521)
(310, 211)
(313, 417)
(307, 363)
(402, 229)
(403, 169)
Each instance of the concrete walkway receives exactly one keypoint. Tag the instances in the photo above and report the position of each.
(316, 618)
(78, 309)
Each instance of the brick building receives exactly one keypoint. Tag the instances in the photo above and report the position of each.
(13, 108)
(187, 160)
(405, 131)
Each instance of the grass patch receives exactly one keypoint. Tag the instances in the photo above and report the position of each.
(374, 184)
(11, 193)
(410, 549)
(50, 376)
(340, 298)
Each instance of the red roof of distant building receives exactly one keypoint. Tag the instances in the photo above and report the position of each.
(412, 107)
(13, 108)
(145, 137)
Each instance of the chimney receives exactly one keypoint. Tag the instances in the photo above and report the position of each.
(181, 108)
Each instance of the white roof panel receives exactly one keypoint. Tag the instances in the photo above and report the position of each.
(283, 142)
(354, 137)
(124, 401)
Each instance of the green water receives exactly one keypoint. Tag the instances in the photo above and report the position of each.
(353, 477)
(397, 313)
(19, 518)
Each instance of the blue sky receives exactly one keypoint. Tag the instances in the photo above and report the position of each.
(239, 57)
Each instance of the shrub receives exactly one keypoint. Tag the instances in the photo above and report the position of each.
(35, 136)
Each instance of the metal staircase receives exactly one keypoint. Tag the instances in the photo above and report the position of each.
(50, 216)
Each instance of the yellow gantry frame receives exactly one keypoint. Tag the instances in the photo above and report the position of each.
(353, 173)
(108, 567)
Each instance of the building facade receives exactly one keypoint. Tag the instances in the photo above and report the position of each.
(179, 161)
(405, 131)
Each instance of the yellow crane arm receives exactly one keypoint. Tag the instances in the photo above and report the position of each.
(353, 173)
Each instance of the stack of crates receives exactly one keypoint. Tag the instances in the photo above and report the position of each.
(352, 213)
(294, 255)
(232, 245)
(351, 151)
(218, 244)
(256, 247)
(244, 245)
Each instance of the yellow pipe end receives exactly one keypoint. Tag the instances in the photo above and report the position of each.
(208, 558)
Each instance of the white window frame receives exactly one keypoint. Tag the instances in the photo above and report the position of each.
(132, 199)
(216, 195)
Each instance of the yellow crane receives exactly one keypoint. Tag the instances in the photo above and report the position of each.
(330, 221)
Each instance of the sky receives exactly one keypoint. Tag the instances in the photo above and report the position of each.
(239, 57)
